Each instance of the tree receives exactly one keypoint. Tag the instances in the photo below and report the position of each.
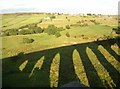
(13, 32)
(89, 14)
(52, 17)
(67, 34)
(67, 27)
(57, 34)
(117, 30)
(38, 30)
(51, 30)
(27, 40)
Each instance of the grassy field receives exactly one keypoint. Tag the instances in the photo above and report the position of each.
(93, 62)
(44, 41)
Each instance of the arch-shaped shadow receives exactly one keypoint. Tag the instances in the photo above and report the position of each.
(66, 67)
(91, 73)
(44, 73)
(13, 77)
(115, 75)
(32, 59)
(107, 46)
(10, 67)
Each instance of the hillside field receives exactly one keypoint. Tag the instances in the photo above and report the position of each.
(81, 51)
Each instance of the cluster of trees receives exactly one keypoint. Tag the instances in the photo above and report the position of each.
(53, 30)
(52, 17)
(33, 29)
(27, 29)
(117, 30)
(89, 14)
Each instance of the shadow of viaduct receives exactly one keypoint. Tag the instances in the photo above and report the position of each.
(67, 73)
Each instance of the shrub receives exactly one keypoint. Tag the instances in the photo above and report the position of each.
(51, 30)
(82, 35)
(117, 30)
(57, 34)
(13, 32)
(52, 17)
(29, 31)
(67, 27)
(27, 40)
(89, 14)
(26, 31)
(67, 34)
(38, 30)
(75, 36)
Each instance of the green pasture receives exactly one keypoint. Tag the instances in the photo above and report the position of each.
(51, 61)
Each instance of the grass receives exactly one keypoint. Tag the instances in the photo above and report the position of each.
(10, 20)
(84, 63)
(90, 31)
(16, 21)
(51, 61)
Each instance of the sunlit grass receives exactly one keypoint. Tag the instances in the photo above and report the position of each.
(79, 68)
(54, 71)
(110, 58)
(37, 65)
(22, 66)
(102, 72)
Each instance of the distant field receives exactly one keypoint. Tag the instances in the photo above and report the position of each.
(16, 21)
(92, 31)
(10, 21)
(85, 55)
(44, 41)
